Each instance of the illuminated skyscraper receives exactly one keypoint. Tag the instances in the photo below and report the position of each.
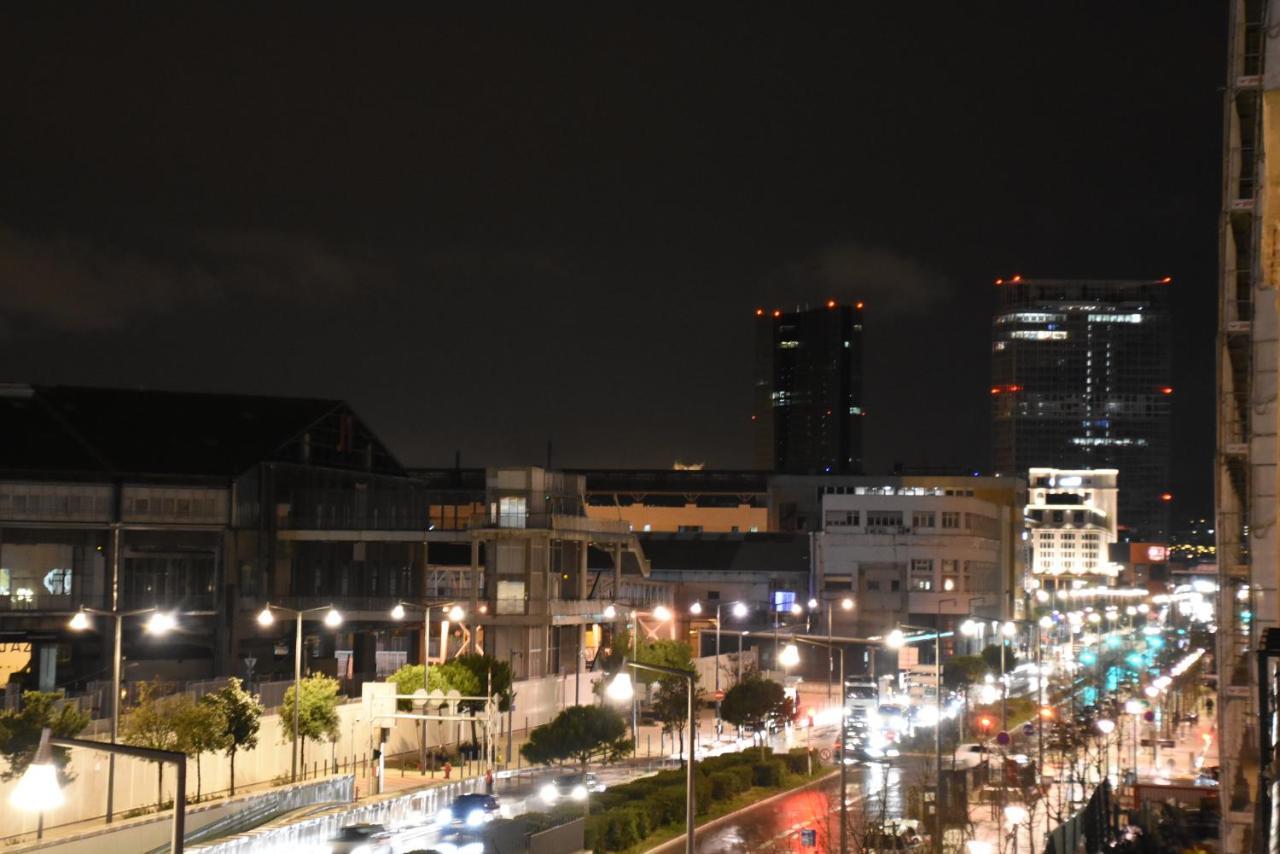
(808, 390)
(1080, 379)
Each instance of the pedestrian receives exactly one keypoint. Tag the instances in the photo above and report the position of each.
(488, 782)
(448, 769)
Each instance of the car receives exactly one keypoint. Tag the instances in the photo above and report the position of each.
(471, 810)
(567, 784)
(361, 838)
(895, 835)
(971, 755)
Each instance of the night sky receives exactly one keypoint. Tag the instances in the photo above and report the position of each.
(490, 231)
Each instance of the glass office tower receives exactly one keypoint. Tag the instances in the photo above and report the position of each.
(1080, 379)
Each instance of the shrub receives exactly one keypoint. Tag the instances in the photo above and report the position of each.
(656, 810)
(670, 800)
(725, 785)
(797, 760)
(640, 820)
(702, 798)
(620, 829)
(745, 775)
(593, 833)
(768, 773)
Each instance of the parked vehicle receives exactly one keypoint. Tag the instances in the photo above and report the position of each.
(971, 755)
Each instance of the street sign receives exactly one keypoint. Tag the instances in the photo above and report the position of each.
(825, 754)
(1028, 729)
(249, 662)
(808, 838)
(719, 695)
(1002, 738)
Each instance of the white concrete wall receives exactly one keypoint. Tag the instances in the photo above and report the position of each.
(537, 701)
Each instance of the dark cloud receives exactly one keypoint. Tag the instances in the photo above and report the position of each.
(69, 284)
(892, 284)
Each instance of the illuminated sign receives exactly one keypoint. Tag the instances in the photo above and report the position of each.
(1157, 554)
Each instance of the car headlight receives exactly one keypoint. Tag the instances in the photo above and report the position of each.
(475, 818)
(548, 793)
(579, 793)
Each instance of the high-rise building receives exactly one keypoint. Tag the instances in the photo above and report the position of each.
(808, 390)
(1080, 379)
(1072, 520)
(1248, 543)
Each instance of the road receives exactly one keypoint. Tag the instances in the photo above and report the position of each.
(775, 826)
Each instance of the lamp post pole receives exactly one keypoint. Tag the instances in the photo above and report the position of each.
(178, 759)
(690, 800)
(844, 768)
(717, 672)
(265, 618)
(79, 623)
(937, 724)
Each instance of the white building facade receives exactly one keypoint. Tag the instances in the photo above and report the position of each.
(1071, 520)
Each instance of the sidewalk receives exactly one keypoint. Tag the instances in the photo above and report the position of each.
(1195, 748)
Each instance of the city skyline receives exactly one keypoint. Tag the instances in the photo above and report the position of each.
(172, 252)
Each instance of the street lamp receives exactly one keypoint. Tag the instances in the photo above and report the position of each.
(38, 790)
(790, 656)
(620, 690)
(159, 624)
(1017, 814)
(266, 617)
(739, 610)
(844, 768)
(895, 640)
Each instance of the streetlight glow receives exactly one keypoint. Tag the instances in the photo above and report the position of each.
(796, 610)
(662, 613)
(895, 639)
(333, 619)
(1106, 727)
(456, 614)
(397, 613)
(620, 689)
(740, 610)
(160, 623)
(38, 790)
(265, 617)
(610, 612)
(79, 622)
(1133, 707)
(847, 603)
(1008, 630)
(790, 656)
(695, 608)
(1016, 813)
(813, 604)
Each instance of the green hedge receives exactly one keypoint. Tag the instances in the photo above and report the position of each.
(769, 773)
(626, 814)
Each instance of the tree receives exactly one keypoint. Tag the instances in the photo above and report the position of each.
(201, 729)
(580, 733)
(317, 713)
(20, 731)
(490, 676)
(153, 723)
(241, 716)
(671, 706)
(991, 656)
(752, 701)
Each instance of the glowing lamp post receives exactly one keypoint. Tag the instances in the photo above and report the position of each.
(620, 690)
(38, 789)
(266, 618)
(158, 624)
